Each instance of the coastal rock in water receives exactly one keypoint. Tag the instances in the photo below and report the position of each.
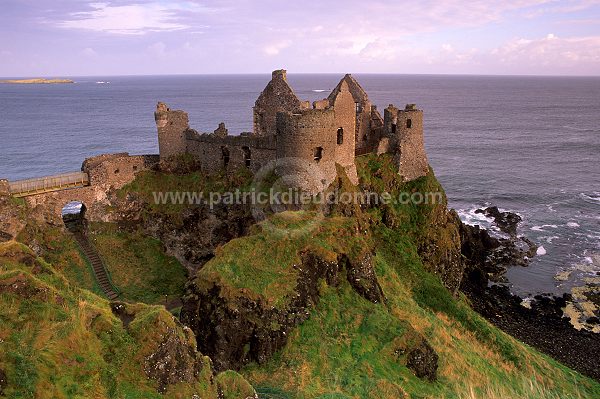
(507, 222)
(542, 326)
(487, 257)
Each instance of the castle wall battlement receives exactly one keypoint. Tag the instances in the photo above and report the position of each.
(333, 131)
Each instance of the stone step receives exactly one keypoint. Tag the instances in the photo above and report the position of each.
(97, 266)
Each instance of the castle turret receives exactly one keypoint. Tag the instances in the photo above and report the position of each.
(404, 128)
(305, 147)
(172, 126)
(277, 96)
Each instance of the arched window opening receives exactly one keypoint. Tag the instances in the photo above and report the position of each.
(73, 215)
(247, 156)
(318, 153)
(225, 156)
(340, 136)
(408, 123)
(393, 128)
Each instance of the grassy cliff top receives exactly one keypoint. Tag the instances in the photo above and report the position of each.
(59, 339)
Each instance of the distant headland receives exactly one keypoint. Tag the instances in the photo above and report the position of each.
(36, 81)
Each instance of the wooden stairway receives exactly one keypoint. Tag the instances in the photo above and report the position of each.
(97, 265)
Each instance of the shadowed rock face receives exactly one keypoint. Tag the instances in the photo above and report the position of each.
(423, 361)
(172, 362)
(3, 381)
(234, 332)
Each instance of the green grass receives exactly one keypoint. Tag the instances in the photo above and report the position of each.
(348, 346)
(138, 264)
(261, 265)
(60, 341)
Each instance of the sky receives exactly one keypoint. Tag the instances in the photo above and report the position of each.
(62, 38)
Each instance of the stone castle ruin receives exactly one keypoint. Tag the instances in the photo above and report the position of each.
(332, 131)
(307, 142)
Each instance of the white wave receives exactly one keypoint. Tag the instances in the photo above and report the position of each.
(472, 218)
(72, 208)
(592, 198)
(549, 239)
(572, 224)
(102, 83)
(541, 251)
(541, 228)
(318, 90)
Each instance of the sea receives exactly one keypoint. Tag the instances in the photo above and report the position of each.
(529, 145)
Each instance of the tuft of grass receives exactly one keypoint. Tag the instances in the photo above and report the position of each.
(262, 265)
(60, 341)
(138, 264)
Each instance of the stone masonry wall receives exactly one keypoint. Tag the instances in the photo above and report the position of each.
(171, 131)
(406, 140)
(344, 118)
(306, 146)
(103, 179)
(248, 151)
(277, 96)
(4, 187)
(116, 170)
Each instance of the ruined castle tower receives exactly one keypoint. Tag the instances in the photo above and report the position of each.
(278, 96)
(404, 128)
(368, 121)
(322, 137)
(172, 126)
(300, 138)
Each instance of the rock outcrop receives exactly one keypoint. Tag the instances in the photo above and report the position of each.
(234, 332)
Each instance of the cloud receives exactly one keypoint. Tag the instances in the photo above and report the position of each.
(133, 19)
(550, 51)
(275, 48)
(89, 52)
(158, 49)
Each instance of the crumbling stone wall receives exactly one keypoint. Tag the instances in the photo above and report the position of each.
(116, 170)
(171, 130)
(107, 172)
(4, 187)
(365, 114)
(278, 96)
(335, 130)
(311, 138)
(405, 131)
(217, 152)
(345, 127)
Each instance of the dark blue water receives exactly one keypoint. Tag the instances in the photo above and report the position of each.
(526, 144)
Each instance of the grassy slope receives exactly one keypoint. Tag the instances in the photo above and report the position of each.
(59, 341)
(348, 348)
(138, 265)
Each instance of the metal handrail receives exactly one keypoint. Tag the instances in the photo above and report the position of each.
(48, 183)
